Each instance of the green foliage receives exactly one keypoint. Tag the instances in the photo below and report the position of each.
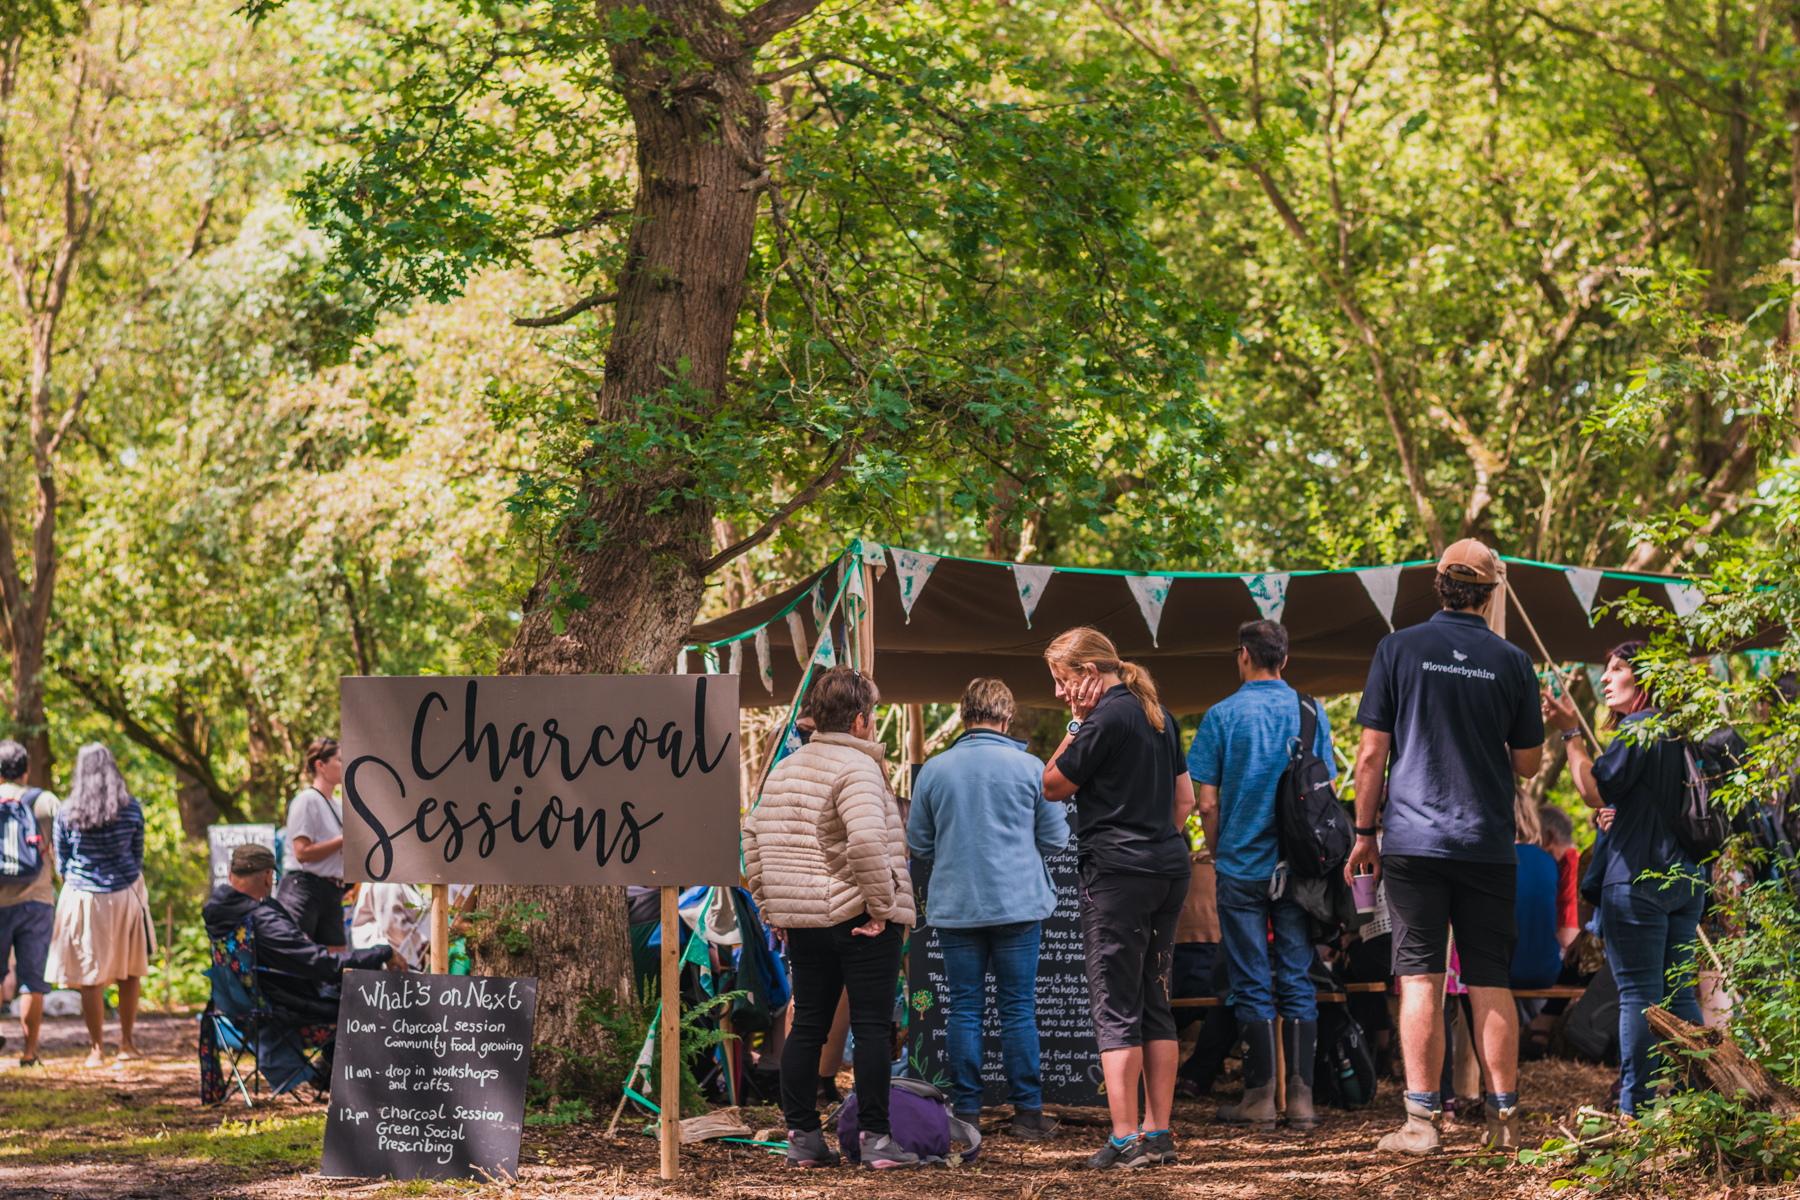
(1690, 1134)
(512, 924)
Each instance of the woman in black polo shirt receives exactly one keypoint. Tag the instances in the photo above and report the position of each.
(1122, 764)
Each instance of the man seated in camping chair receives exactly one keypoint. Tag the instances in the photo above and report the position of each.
(295, 978)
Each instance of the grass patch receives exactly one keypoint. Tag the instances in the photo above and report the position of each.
(29, 1110)
(277, 1142)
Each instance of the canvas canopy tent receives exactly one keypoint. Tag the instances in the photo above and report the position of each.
(938, 622)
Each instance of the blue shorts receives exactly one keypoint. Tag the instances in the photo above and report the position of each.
(25, 929)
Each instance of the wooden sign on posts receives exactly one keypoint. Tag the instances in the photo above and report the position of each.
(541, 779)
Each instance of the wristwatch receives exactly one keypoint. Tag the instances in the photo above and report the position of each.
(1074, 724)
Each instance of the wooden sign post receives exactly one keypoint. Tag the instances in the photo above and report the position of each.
(668, 1092)
(440, 929)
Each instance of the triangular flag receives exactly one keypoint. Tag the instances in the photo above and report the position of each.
(856, 601)
(1030, 580)
(913, 568)
(710, 656)
(1684, 598)
(681, 662)
(797, 631)
(1150, 591)
(873, 554)
(1595, 671)
(1269, 592)
(1382, 584)
(764, 667)
(825, 654)
(1586, 582)
(737, 658)
(821, 603)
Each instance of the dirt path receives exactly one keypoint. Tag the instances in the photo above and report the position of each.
(137, 1130)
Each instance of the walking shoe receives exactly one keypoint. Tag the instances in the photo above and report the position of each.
(1502, 1129)
(810, 1150)
(882, 1152)
(1418, 1136)
(1033, 1124)
(1112, 1154)
(1159, 1147)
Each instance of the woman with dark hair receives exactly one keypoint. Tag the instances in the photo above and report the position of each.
(103, 928)
(1123, 766)
(1652, 893)
(312, 873)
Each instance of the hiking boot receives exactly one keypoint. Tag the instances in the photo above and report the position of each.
(1502, 1129)
(1300, 1041)
(810, 1150)
(1160, 1147)
(1033, 1124)
(882, 1152)
(1418, 1136)
(1258, 1105)
(1111, 1154)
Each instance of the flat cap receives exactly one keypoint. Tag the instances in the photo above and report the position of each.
(250, 858)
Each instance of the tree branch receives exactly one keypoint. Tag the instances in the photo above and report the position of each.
(772, 18)
(568, 314)
(806, 496)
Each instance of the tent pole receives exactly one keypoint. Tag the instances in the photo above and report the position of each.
(1586, 729)
(865, 624)
(668, 1092)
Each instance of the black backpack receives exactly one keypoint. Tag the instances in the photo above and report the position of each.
(1309, 820)
(1343, 1067)
(1700, 824)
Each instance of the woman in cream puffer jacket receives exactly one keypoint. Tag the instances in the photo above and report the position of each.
(827, 843)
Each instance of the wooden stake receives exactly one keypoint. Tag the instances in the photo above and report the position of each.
(440, 929)
(168, 979)
(1586, 729)
(668, 1093)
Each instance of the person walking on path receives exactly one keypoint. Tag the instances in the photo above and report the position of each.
(312, 883)
(1121, 763)
(825, 857)
(1652, 892)
(28, 907)
(980, 819)
(103, 932)
(1450, 715)
(1236, 760)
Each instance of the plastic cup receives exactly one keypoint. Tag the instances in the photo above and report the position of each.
(1362, 888)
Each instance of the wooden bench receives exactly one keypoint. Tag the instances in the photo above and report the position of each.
(1549, 993)
(1213, 1001)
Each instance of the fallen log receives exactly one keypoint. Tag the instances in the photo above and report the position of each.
(1726, 1067)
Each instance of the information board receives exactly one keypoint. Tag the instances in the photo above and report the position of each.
(221, 840)
(428, 1078)
(541, 779)
(1069, 1057)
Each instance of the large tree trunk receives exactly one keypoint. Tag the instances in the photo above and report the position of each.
(701, 133)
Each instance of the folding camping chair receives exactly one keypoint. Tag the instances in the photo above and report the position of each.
(238, 1023)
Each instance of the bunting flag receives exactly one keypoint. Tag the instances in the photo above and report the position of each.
(856, 601)
(1595, 671)
(802, 643)
(1586, 583)
(1684, 598)
(1030, 580)
(764, 667)
(710, 656)
(681, 662)
(737, 658)
(1382, 584)
(821, 602)
(1269, 592)
(1150, 592)
(825, 654)
(913, 567)
(873, 554)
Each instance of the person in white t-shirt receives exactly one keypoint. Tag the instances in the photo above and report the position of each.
(312, 881)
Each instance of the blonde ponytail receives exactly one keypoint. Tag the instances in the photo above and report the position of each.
(1085, 645)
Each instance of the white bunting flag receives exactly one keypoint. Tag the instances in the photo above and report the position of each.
(681, 662)
(1382, 584)
(802, 643)
(821, 603)
(856, 601)
(873, 554)
(1684, 598)
(737, 658)
(764, 667)
(710, 656)
(825, 654)
(1586, 583)
(1030, 580)
(1595, 672)
(1269, 592)
(1151, 593)
(913, 568)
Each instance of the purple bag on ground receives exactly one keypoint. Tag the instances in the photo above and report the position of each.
(921, 1122)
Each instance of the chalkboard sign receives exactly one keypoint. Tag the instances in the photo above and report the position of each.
(221, 840)
(1069, 1056)
(428, 1079)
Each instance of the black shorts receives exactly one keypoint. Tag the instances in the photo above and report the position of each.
(1428, 897)
(316, 904)
(1128, 929)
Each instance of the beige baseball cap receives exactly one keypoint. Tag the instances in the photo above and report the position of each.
(1470, 561)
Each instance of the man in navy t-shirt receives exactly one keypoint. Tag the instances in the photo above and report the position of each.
(1450, 715)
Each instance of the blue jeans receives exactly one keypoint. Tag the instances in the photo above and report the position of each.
(1245, 914)
(1650, 933)
(1010, 952)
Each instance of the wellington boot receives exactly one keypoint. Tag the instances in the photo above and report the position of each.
(1418, 1136)
(1502, 1129)
(1300, 1112)
(1257, 1108)
(1300, 1040)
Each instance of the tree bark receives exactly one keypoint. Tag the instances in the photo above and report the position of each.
(640, 563)
(1726, 1067)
